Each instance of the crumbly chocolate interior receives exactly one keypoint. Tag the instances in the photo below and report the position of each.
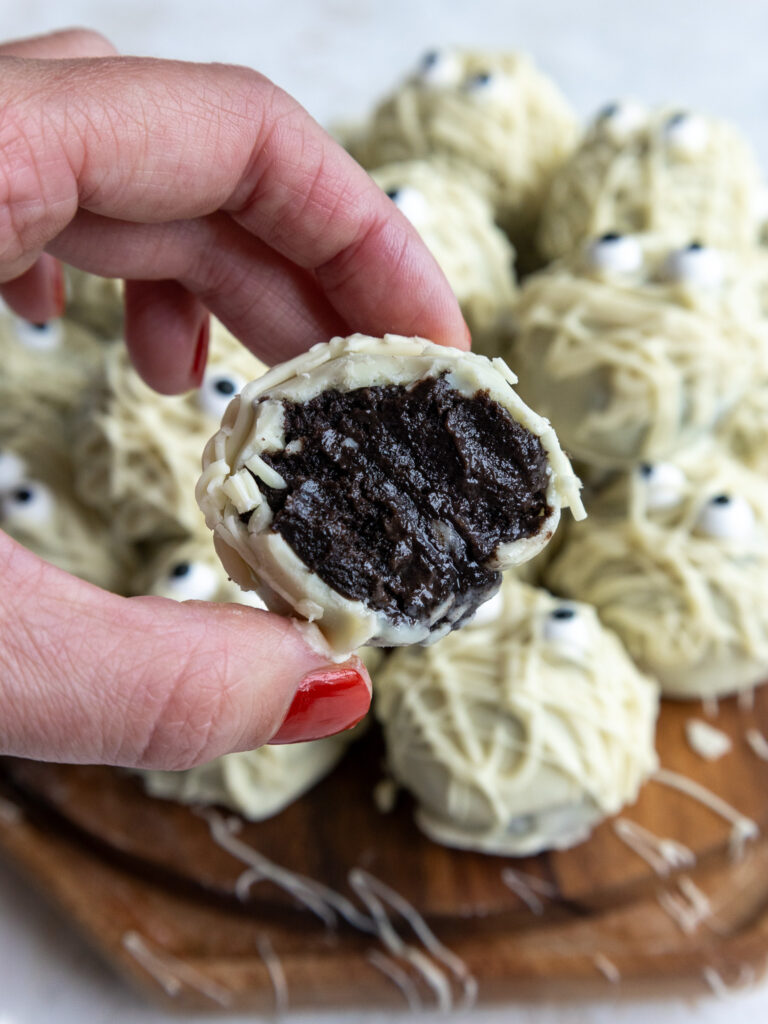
(398, 496)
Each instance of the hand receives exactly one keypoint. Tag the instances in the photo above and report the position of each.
(207, 188)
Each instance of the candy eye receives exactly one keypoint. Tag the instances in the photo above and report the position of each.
(726, 517)
(620, 121)
(410, 202)
(663, 484)
(566, 630)
(217, 391)
(12, 470)
(38, 337)
(695, 265)
(685, 134)
(191, 581)
(439, 69)
(614, 254)
(29, 504)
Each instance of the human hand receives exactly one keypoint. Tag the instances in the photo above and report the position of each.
(207, 188)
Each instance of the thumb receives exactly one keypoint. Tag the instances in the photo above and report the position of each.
(89, 677)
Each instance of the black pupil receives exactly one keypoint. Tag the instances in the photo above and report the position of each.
(430, 59)
(224, 386)
(646, 469)
(393, 194)
(721, 499)
(610, 236)
(40, 327)
(23, 495)
(609, 111)
(563, 613)
(695, 247)
(676, 119)
(180, 570)
(481, 79)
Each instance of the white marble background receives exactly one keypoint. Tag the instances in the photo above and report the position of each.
(336, 56)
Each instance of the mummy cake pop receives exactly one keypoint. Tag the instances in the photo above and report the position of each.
(376, 486)
(674, 558)
(456, 223)
(521, 732)
(634, 348)
(663, 170)
(494, 113)
(138, 453)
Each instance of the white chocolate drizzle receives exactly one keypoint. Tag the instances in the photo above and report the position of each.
(275, 971)
(171, 973)
(661, 854)
(529, 888)
(707, 741)
(400, 978)
(757, 743)
(607, 968)
(688, 907)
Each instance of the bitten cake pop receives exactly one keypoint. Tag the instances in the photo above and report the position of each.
(634, 347)
(666, 170)
(138, 452)
(674, 558)
(521, 732)
(491, 112)
(457, 225)
(376, 486)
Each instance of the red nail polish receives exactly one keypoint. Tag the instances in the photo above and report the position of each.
(201, 353)
(59, 291)
(326, 702)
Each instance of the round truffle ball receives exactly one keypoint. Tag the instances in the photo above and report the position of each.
(521, 732)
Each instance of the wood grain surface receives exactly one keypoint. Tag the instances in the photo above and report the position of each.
(156, 894)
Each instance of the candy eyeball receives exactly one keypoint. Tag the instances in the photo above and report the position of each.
(190, 581)
(38, 337)
(685, 135)
(663, 485)
(614, 254)
(217, 391)
(411, 203)
(439, 69)
(484, 85)
(696, 266)
(566, 630)
(726, 517)
(29, 503)
(620, 121)
(12, 470)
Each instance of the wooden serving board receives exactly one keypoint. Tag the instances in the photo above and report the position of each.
(146, 882)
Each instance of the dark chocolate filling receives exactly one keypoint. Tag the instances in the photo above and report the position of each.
(399, 496)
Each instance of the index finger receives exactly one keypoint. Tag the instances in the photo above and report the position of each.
(154, 141)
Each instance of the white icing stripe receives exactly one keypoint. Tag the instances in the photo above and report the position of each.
(171, 973)
(758, 743)
(706, 741)
(688, 909)
(528, 888)
(607, 968)
(432, 961)
(275, 971)
(743, 828)
(661, 854)
(398, 976)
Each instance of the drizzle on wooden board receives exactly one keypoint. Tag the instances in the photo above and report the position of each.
(338, 904)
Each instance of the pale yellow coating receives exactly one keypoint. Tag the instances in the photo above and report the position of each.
(689, 605)
(519, 733)
(641, 180)
(138, 452)
(633, 366)
(513, 131)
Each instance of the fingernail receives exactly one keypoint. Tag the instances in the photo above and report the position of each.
(201, 353)
(468, 334)
(327, 701)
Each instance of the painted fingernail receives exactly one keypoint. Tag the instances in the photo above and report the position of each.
(327, 701)
(59, 290)
(201, 353)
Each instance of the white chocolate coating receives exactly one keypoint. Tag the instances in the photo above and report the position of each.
(457, 226)
(520, 733)
(137, 453)
(632, 365)
(496, 114)
(260, 559)
(682, 584)
(684, 174)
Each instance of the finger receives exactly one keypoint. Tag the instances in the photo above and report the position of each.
(38, 295)
(67, 42)
(276, 308)
(141, 146)
(167, 333)
(87, 677)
